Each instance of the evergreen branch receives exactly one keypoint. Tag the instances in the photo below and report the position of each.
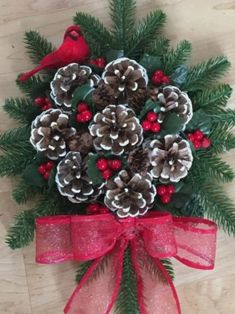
(82, 269)
(192, 208)
(24, 192)
(206, 73)
(222, 117)
(123, 18)
(21, 109)
(222, 139)
(127, 302)
(174, 58)
(209, 99)
(145, 33)
(14, 139)
(35, 86)
(158, 47)
(98, 37)
(37, 46)
(169, 267)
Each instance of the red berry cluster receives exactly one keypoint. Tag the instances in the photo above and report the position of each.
(150, 123)
(84, 113)
(165, 192)
(160, 78)
(107, 166)
(43, 103)
(96, 208)
(98, 62)
(199, 139)
(45, 169)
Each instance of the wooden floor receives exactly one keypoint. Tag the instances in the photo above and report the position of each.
(27, 288)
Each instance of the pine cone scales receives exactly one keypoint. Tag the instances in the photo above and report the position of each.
(67, 79)
(116, 129)
(103, 96)
(72, 180)
(170, 158)
(130, 195)
(49, 132)
(138, 160)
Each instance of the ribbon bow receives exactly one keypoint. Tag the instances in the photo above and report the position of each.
(101, 238)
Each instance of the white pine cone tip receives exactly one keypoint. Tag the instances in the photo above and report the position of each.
(116, 129)
(130, 194)
(170, 158)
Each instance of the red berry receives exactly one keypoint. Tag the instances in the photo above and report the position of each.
(155, 127)
(165, 80)
(157, 77)
(49, 165)
(197, 144)
(162, 190)
(47, 100)
(115, 164)
(102, 164)
(107, 174)
(151, 116)
(86, 115)
(46, 107)
(198, 135)
(39, 101)
(42, 169)
(79, 118)
(93, 62)
(100, 63)
(103, 210)
(206, 142)
(46, 175)
(190, 137)
(93, 208)
(82, 106)
(171, 189)
(165, 199)
(146, 125)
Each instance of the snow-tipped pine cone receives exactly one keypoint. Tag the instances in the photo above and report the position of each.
(170, 158)
(130, 194)
(73, 181)
(49, 132)
(67, 79)
(116, 129)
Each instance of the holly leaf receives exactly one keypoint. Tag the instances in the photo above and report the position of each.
(180, 75)
(200, 120)
(172, 124)
(150, 105)
(150, 63)
(31, 174)
(82, 93)
(51, 181)
(93, 173)
(113, 55)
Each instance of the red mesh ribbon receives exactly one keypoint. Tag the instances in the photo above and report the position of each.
(155, 236)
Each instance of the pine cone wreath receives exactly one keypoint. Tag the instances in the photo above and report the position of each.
(103, 96)
(170, 158)
(49, 132)
(73, 181)
(67, 79)
(171, 98)
(137, 100)
(138, 160)
(125, 77)
(116, 129)
(81, 142)
(130, 195)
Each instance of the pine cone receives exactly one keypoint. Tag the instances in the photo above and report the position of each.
(116, 129)
(130, 195)
(103, 96)
(67, 79)
(170, 158)
(72, 180)
(49, 133)
(138, 160)
(137, 100)
(171, 98)
(81, 142)
(125, 77)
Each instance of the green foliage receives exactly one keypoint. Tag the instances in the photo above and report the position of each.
(206, 73)
(145, 33)
(149, 105)
(200, 120)
(169, 267)
(127, 302)
(172, 124)
(98, 37)
(223, 139)
(158, 47)
(82, 269)
(14, 139)
(93, 172)
(37, 46)
(150, 63)
(20, 109)
(24, 191)
(174, 58)
(35, 86)
(192, 208)
(123, 18)
(222, 117)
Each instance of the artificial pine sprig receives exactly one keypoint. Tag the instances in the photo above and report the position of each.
(159, 47)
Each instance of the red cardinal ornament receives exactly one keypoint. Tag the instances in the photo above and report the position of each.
(73, 49)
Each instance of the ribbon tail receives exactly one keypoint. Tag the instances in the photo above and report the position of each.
(99, 287)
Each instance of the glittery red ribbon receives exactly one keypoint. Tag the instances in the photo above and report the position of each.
(104, 239)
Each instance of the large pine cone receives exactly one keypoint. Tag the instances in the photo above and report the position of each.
(49, 133)
(172, 99)
(116, 129)
(137, 100)
(170, 158)
(138, 160)
(130, 195)
(103, 96)
(125, 76)
(81, 142)
(67, 79)
(73, 181)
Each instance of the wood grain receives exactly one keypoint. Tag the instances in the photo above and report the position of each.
(27, 288)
